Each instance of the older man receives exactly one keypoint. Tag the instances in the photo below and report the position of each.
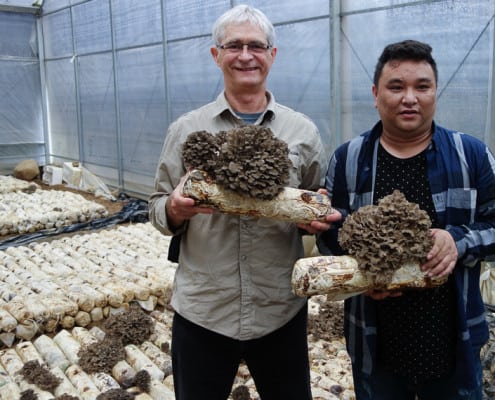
(232, 295)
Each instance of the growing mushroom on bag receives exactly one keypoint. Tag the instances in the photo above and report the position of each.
(245, 171)
(387, 244)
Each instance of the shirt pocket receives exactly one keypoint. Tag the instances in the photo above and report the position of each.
(294, 169)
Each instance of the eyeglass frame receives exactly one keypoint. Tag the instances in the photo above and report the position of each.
(238, 47)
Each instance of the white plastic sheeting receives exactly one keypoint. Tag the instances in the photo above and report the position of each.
(461, 34)
(115, 73)
(21, 124)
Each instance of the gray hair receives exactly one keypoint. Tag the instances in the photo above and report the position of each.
(240, 14)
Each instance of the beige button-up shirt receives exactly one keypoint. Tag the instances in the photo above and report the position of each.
(234, 273)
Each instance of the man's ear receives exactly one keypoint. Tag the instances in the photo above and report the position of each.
(374, 90)
(274, 52)
(214, 54)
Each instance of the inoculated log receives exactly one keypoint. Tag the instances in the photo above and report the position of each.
(339, 277)
(293, 205)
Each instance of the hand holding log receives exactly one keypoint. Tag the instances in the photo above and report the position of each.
(245, 171)
(387, 244)
(294, 205)
(339, 277)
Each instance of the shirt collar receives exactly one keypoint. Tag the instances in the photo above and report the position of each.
(222, 105)
(376, 131)
(435, 139)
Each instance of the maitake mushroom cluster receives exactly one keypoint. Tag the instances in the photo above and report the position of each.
(384, 237)
(249, 160)
(132, 326)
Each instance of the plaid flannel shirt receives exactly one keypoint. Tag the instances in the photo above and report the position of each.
(461, 174)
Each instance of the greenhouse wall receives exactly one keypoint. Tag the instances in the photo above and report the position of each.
(99, 81)
(21, 121)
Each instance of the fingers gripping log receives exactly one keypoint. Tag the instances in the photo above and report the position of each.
(339, 277)
(293, 205)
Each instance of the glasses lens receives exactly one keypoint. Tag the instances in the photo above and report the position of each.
(257, 47)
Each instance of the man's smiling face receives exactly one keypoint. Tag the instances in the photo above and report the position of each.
(244, 69)
(406, 97)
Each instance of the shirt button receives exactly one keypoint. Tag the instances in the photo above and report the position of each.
(243, 258)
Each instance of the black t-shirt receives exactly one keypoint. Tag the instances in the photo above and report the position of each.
(416, 331)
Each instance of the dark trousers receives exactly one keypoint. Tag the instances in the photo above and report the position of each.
(205, 363)
(383, 385)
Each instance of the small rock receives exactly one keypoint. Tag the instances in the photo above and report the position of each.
(27, 170)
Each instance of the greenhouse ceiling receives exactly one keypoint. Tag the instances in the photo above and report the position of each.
(99, 81)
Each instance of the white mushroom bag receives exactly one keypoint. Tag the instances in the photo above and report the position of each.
(487, 283)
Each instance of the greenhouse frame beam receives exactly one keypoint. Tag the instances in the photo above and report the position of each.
(335, 111)
(389, 7)
(490, 125)
(20, 9)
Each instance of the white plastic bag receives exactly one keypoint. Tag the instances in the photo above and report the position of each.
(487, 283)
(92, 184)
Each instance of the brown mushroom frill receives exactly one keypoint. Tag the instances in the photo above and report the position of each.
(248, 160)
(384, 237)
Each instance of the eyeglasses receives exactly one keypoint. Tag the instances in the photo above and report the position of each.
(238, 47)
